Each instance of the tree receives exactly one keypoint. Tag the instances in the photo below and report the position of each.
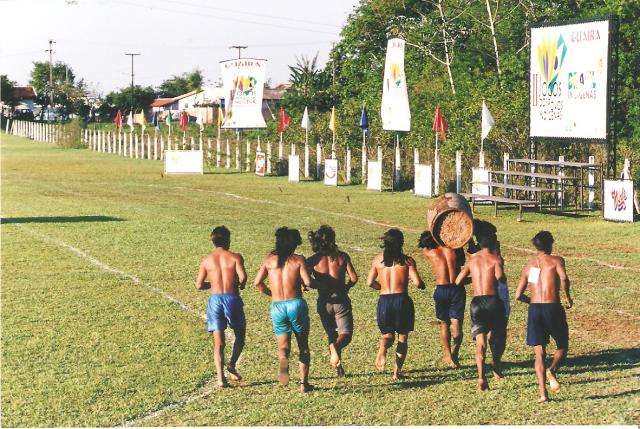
(122, 100)
(68, 95)
(310, 86)
(182, 84)
(6, 91)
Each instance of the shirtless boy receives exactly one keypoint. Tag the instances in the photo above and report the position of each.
(226, 274)
(449, 298)
(287, 274)
(329, 267)
(546, 276)
(395, 312)
(487, 311)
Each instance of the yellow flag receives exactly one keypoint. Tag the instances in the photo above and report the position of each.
(332, 121)
(220, 116)
(141, 119)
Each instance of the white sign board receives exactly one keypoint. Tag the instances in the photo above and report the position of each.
(394, 108)
(422, 180)
(374, 175)
(618, 200)
(183, 162)
(479, 175)
(243, 82)
(260, 163)
(331, 172)
(568, 80)
(294, 168)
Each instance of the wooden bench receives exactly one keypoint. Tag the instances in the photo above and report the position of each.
(502, 200)
(534, 175)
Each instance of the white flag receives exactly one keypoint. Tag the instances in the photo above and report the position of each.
(487, 121)
(394, 108)
(306, 123)
(199, 121)
(130, 121)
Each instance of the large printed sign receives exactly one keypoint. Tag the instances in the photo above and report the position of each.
(394, 108)
(618, 200)
(243, 83)
(183, 162)
(260, 163)
(294, 168)
(568, 80)
(374, 175)
(422, 180)
(331, 172)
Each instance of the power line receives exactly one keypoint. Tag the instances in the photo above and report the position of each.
(50, 50)
(239, 48)
(132, 55)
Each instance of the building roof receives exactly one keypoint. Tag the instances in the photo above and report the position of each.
(24, 92)
(159, 102)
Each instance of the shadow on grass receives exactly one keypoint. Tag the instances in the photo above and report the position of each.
(59, 219)
(615, 395)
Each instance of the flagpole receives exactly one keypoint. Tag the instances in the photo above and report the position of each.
(306, 152)
(218, 147)
(364, 154)
(436, 162)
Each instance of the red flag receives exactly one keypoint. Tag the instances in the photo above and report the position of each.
(118, 120)
(439, 124)
(284, 120)
(184, 120)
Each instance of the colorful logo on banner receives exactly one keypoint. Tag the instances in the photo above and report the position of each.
(396, 75)
(551, 54)
(245, 84)
(619, 197)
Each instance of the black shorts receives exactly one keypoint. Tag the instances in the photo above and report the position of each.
(450, 301)
(395, 313)
(547, 320)
(487, 314)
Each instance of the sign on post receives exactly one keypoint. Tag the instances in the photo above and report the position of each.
(294, 168)
(374, 175)
(618, 200)
(331, 172)
(260, 163)
(183, 162)
(479, 175)
(422, 180)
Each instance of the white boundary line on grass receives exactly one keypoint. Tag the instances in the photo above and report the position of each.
(388, 225)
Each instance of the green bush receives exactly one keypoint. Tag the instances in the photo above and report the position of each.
(70, 136)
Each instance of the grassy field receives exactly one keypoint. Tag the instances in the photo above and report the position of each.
(101, 324)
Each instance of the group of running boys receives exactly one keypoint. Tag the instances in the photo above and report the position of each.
(330, 271)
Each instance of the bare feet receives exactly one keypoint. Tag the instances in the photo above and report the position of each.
(283, 371)
(335, 357)
(381, 361)
(222, 384)
(553, 382)
(397, 375)
(451, 363)
(340, 370)
(543, 399)
(233, 373)
(497, 374)
(305, 387)
(483, 385)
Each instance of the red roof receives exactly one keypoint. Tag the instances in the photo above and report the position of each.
(24, 92)
(159, 102)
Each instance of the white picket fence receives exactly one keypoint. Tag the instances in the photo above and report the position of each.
(38, 131)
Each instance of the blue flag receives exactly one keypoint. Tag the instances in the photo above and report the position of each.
(364, 121)
(155, 121)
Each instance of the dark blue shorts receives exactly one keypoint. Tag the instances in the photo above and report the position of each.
(395, 313)
(223, 309)
(547, 320)
(450, 301)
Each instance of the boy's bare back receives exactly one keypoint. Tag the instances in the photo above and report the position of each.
(285, 282)
(225, 271)
(444, 264)
(393, 279)
(486, 269)
(552, 272)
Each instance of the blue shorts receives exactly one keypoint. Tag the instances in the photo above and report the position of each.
(289, 315)
(223, 309)
(547, 320)
(395, 313)
(450, 301)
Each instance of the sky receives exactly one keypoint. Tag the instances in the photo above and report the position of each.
(172, 36)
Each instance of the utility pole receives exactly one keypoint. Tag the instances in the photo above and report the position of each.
(50, 50)
(132, 55)
(239, 48)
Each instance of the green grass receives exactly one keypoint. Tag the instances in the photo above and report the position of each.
(83, 345)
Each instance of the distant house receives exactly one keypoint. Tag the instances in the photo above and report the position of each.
(26, 96)
(206, 101)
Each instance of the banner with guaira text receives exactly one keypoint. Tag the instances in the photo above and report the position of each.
(243, 83)
(394, 109)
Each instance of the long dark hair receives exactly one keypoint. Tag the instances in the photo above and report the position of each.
(286, 242)
(392, 243)
(323, 241)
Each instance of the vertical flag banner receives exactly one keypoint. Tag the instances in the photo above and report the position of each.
(141, 120)
(332, 120)
(364, 121)
(184, 120)
(439, 124)
(200, 121)
(487, 121)
(130, 121)
(243, 83)
(284, 120)
(306, 123)
(118, 120)
(220, 116)
(394, 109)
(156, 125)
